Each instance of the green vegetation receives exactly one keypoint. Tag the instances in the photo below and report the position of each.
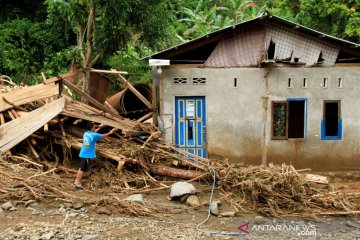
(48, 36)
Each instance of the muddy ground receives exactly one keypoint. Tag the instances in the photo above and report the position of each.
(174, 220)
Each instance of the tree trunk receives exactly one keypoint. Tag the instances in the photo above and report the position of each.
(174, 172)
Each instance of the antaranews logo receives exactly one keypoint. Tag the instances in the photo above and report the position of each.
(243, 230)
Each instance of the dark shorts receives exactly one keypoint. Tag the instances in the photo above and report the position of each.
(84, 164)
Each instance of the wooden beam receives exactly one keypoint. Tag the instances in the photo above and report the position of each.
(13, 132)
(94, 118)
(89, 98)
(145, 117)
(108, 71)
(201, 159)
(27, 94)
(136, 92)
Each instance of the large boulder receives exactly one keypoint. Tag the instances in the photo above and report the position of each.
(181, 188)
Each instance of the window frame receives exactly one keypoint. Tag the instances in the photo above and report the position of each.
(323, 128)
(272, 120)
(305, 100)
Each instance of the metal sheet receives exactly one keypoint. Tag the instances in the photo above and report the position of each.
(290, 43)
(244, 47)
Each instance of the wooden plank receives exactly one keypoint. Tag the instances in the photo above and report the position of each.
(145, 117)
(201, 159)
(136, 92)
(108, 71)
(55, 79)
(95, 118)
(27, 94)
(13, 132)
(89, 98)
(79, 106)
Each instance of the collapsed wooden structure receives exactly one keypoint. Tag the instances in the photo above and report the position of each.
(43, 121)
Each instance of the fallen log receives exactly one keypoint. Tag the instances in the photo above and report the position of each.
(174, 172)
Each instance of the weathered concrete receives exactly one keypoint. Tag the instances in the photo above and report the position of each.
(235, 123)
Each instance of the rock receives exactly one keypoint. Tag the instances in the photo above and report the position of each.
(103, 210)
(180, 188)
(31, 203)
(215, 208)
(352, 224)
(1, 211)
(36, 212)
(90, 237)
(192, 201)
(78, 205)
(227, 214)
(48, 235)
(13, 209)
(68, 205)
(259, 219)
(73, 214)
(139, 198)
(6, 206)
(183, 198)
(62, 210)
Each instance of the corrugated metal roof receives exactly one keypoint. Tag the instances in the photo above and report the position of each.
(263, 16)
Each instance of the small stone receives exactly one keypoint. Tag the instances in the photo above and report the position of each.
(183, 198)
(192, 201)
(31, 203)
(73, 214)
(68, 205)
(103, 210)
(215, 208)
(48, 235)
(62, 210)
(78, 205)
(227, 214)
(180, 188)
(36, 212)
(139, 198)
(13, 209)
(352, 224)
(90, 237)
(6, 206)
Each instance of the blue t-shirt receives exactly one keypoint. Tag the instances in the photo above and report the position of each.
(89, 144)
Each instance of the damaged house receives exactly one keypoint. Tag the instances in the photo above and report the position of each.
(263, 91)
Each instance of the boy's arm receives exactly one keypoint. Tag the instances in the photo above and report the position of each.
(105, 135)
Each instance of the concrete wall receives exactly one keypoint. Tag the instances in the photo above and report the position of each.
(238, 129)
(312, 152)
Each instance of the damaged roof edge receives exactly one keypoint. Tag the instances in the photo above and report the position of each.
(265, 15)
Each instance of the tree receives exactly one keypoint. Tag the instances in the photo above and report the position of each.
(335, 17)
(103, 27)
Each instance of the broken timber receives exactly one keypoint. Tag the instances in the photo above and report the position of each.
(13, 132)
(27, 94)
(89, 98)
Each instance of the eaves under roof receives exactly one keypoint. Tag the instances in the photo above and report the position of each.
(216, 35)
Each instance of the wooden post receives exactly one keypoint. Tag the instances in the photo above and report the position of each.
(155, 93)
(265, 99)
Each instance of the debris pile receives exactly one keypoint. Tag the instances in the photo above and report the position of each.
(41, 133)
(276, 190)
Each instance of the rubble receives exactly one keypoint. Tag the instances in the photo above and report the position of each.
(41, 132)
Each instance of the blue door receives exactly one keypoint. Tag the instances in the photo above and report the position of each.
(190, 125)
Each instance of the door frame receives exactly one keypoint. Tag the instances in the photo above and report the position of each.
(205, 146)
